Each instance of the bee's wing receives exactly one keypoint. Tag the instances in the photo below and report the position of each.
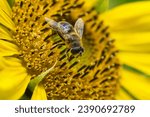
(79, 27)
(53, 24)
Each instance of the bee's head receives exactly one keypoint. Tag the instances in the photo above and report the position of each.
(77, 50)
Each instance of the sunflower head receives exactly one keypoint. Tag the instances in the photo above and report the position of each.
(94, 75)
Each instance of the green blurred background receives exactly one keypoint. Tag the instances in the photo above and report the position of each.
(104, 5)
(113, 3)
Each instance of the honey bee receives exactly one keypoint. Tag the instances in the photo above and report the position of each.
(72, 36)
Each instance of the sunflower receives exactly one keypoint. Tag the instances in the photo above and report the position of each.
(34, 61)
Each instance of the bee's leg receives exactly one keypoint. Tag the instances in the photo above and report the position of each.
(79, 55)
(56, 45)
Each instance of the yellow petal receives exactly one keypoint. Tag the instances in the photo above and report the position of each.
(5, 20)
(129, 25)
(5, 33)
(39, 93)
(139, 61)
(129, 16)
(136, 85)
(122, 95)
(133, 42)
(14, 78)
(90, 3)
(7, 48)
(5, 7)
